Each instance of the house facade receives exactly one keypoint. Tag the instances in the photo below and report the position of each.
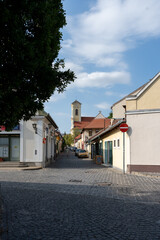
(31, 143)
(109, 143)
(97, 124)
(143, 119)
(138, 148)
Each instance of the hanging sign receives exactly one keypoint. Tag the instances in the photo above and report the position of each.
(44, 140)
(57, 138)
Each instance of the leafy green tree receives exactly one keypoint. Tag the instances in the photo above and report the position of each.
(69, 139)
(110, 115)
(30, 70)
(76, 132)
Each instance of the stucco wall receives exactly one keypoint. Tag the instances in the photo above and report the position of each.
(73, 108)
(28, 141)
(131, 105)
(144, 138)
(117, 151)
(118, 109)
(38, 144)
(85, 135)
(149, 99)
(33, 143)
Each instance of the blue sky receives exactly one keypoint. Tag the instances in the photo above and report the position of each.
(113, 47)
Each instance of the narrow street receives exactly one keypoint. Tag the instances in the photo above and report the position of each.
(79, 200)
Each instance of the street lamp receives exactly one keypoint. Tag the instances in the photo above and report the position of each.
(34, 125)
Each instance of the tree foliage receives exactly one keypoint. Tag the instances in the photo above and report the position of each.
(68, 139)
(30, 70)
(110, 115)
(76, 132)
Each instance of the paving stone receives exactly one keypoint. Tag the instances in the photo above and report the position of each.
(77, 199)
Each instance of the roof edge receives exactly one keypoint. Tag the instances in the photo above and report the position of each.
(109, 129)
(144, 88)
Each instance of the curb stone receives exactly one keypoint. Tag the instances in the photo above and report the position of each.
(147, 174)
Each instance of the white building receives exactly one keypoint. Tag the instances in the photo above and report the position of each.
(32, 142)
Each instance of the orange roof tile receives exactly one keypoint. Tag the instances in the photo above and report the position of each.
(98, 123)
(83, 123)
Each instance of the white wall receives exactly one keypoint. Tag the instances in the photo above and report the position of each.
(144, 138)
(118, 110)
(28, 141)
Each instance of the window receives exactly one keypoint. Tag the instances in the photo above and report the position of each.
(118, 142)
(76, 112)
(114, 143)
(10, 147)
(4, 141)
(97, 130)
(4, 147)
(90, 133)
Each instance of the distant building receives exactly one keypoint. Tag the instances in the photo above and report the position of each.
(87, 126)
(77, 121)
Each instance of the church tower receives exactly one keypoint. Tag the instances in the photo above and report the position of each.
(75, 113)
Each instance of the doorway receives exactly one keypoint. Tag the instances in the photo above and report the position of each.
(10, 147)
(14, 149)
(108, 153)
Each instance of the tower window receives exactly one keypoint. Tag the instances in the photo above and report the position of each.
(76, 112)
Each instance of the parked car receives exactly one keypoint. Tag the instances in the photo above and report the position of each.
(82, 153)
(77, 151)
(74, 149)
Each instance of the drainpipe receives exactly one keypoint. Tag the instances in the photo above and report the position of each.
(123, 152)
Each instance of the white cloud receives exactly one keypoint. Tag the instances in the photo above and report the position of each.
(111, 27)
(100, 79)
(73, 66)
(67, 43)
(103, 105)
(110, 93)
(110, 61)
(57, 97)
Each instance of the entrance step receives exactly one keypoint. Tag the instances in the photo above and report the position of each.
(8, 164)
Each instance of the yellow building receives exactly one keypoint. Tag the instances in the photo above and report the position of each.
(141, 111)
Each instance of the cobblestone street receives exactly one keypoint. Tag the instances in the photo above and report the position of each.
(77, 199)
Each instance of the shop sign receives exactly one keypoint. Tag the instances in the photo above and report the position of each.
(2, 128)
(57, 138)
(17, 127)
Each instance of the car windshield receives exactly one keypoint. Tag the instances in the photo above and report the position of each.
(82, 151)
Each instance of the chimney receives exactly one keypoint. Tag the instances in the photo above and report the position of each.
(112, 119)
